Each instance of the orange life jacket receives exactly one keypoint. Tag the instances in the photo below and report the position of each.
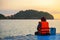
(44, 25)
(44, 28)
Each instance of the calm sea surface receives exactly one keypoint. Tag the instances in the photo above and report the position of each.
(23, 27)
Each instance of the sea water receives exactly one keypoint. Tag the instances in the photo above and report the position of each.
(32, 37)
(23, 27)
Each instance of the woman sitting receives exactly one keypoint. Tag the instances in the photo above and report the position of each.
(43, 27)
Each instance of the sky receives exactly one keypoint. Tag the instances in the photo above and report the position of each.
(8, 7)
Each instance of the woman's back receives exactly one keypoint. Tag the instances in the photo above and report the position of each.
(44, 25)
(44, 28)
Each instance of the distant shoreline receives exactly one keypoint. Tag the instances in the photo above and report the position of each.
(28, 19)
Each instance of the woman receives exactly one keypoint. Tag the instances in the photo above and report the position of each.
(43, 27)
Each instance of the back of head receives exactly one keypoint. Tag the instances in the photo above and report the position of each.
(43, 19)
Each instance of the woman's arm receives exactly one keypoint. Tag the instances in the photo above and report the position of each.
(39, 25)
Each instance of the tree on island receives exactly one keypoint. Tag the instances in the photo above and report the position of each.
(32, 14)
(28, 14)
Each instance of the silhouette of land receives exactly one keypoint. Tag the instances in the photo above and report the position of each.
(2, 16)
(28, 14)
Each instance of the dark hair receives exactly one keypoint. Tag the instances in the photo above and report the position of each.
(43, 19)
